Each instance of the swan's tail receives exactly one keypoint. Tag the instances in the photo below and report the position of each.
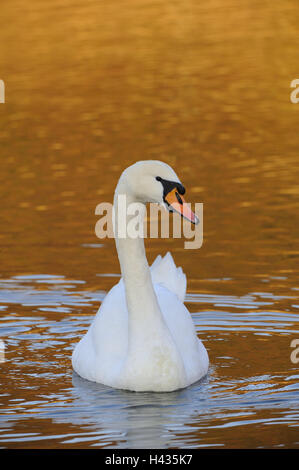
(165, 272)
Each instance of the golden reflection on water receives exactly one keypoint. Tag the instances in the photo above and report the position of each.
(92, 87)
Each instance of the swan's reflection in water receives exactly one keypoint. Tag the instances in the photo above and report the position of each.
(137, 420)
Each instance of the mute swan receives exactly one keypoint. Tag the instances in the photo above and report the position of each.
(143, 337)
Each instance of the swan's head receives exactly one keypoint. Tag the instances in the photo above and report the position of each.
(156, 182)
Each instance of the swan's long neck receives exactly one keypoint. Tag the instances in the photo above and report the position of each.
(142, 303)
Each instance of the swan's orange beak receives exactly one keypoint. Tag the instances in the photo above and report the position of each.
(177, 203)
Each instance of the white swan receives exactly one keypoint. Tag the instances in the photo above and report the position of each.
(143, 337)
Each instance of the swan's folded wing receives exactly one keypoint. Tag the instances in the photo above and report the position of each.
(165, 272)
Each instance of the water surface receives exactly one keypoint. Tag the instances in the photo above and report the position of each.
(92, 87)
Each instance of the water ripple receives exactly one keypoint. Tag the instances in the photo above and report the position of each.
(45, 315)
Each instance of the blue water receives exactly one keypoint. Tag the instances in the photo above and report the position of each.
(250, 397)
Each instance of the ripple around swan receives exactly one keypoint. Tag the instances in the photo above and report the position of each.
(43, 317)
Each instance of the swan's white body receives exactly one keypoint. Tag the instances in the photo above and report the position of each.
(143, 337)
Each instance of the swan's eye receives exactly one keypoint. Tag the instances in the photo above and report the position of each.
(170, 185)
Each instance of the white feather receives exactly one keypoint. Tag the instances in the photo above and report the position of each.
(143, 337)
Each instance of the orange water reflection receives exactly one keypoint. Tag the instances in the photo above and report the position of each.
(91, 87)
